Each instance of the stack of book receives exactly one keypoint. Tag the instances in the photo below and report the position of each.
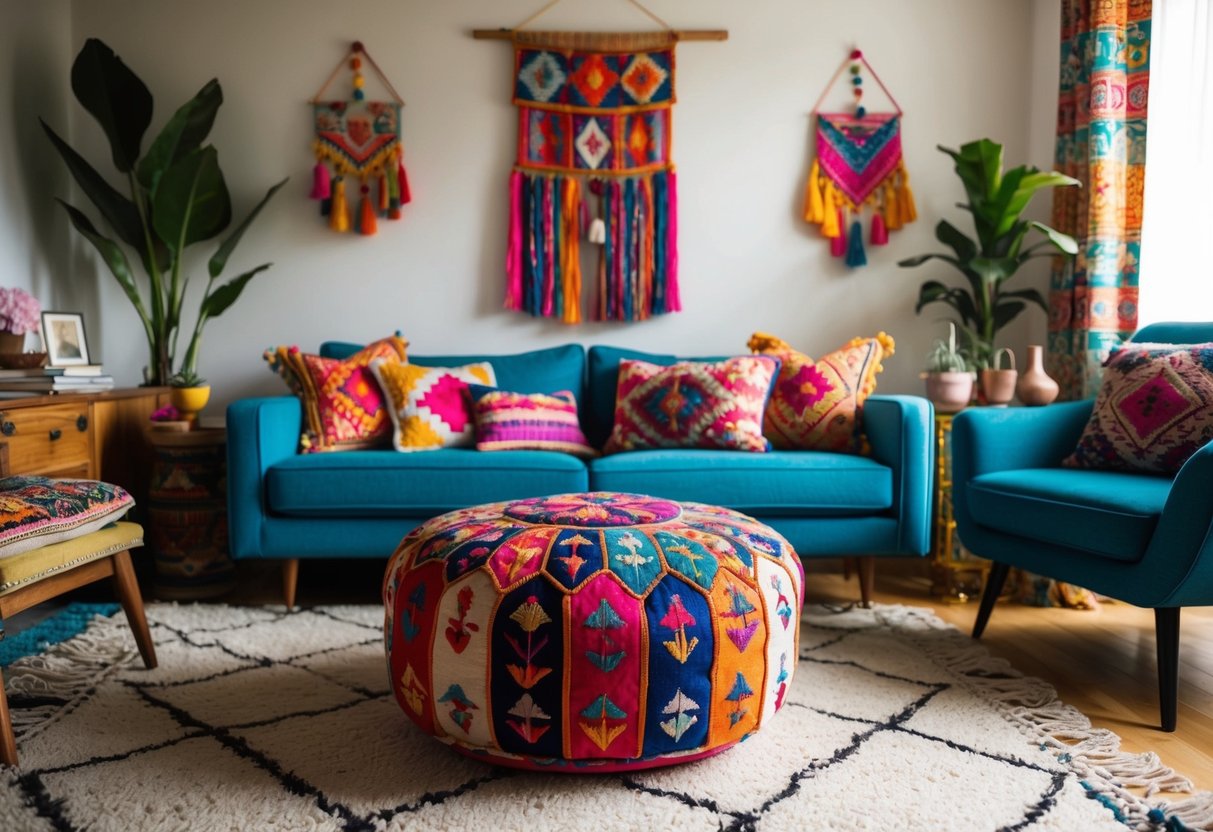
(83, 378)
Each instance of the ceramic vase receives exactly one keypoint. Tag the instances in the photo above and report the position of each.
(1035, 386)
(998, 385)
(190, 400)
(949, 392)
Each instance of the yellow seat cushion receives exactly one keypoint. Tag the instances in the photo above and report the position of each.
(26, 568)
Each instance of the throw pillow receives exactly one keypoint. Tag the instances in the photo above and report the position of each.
(429, 406)
(692, 404)
(818, 405)
(527, 421)
(37, 511)
(1154, 409)
(343, 406)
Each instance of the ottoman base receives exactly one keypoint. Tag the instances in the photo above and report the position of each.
(587, 766)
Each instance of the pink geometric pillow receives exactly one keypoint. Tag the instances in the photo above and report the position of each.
(508, 421)
(692, 404)
(1153, 411)
(430, 406)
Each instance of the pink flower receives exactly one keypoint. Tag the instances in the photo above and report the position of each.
(168, 413)
(19, 311)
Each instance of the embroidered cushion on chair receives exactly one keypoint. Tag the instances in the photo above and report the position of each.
(1154, 409)
(430, 406)
(343, 406)
(692, 404)
(38, 511)
(818, 405)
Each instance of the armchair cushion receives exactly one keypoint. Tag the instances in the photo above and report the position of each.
(37, 511)
(1104, 513)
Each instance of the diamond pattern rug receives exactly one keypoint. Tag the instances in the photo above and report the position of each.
(262, 719)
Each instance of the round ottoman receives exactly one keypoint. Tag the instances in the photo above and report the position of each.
(592, 632)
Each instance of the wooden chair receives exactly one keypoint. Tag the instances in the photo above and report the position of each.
(41, 574)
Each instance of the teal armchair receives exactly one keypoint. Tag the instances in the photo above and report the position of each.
(1144, 539)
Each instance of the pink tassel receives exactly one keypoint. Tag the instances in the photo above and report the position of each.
(838, 245)
(880, 234)
(549, 254)
(673, 301)
(402, 181)
(513, 250)
(321, 186)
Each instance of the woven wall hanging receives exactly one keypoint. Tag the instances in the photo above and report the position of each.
(359, 141)
(858, 167)
(593, 162)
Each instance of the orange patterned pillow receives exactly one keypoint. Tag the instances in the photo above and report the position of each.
(818, 405)
(343, 407)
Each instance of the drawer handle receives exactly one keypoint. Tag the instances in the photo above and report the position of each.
(55, 434)
(82, 423)
(8, 428)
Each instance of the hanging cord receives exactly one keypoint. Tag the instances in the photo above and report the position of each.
(856, 55)
(358, 49)
(544, 10)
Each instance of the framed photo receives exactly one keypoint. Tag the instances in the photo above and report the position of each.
(63, 333)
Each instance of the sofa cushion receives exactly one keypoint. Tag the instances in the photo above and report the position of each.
(509, 421)
(429, 406)
(774, 484)
(1112, 515)
(384, 484)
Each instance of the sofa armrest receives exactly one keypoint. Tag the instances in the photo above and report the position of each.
(260, 432)
(1181, 550)
(900, 430)
(987, 439)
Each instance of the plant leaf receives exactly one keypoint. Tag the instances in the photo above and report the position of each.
(911, 262)
(1062, 242)
(112, 254)
(219, 260)
(935, 292)
(115, 96)
(1031, 295)
(957, 240)
(994, 270)
(217, 302)
(1006, 311)
(192, 202)
(183, 133)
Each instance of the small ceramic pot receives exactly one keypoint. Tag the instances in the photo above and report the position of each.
(998, 385)
(1036, 387)
(189, 400)
(951, 391)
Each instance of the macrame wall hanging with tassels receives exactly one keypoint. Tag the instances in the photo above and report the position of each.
(360, 141)
(858, 167)
(593, 162)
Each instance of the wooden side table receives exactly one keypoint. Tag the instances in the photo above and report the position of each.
(187, 514)
(957, 575)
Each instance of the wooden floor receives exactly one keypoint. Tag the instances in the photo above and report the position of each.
(1101, 662)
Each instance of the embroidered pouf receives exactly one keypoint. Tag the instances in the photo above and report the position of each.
(592, 632)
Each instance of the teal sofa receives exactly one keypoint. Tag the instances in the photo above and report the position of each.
(359, 504)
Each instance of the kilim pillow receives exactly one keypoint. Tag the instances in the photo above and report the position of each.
(430, 406)
(692, 404)
(527, 421)
(1153, 411)
(818, 405)
(343, 406)
(36, 511)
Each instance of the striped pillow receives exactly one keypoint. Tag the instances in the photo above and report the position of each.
(508, 421)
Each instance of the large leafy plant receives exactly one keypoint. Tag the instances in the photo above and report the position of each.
(996, 201)
(176, 197)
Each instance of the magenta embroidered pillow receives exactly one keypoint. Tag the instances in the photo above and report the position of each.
(692, 404)
(1153, 411)
(508, 421)
(37, 511)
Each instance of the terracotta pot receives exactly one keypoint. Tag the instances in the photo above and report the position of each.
(949, 392)
(11, 343)
(998, 385)
(1035, 386)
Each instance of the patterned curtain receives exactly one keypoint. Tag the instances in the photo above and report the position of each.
(1101, 141)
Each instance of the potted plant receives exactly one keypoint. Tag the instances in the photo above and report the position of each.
(998, 383)
(19, 313)
(176, 197)
(948, 375)
(996, 199)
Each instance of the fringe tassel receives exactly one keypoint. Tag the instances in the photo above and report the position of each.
(367, 223)
(339, 215)
(856, 256)
(905, 199)
(831, 223)
(814, 207)
(838, 243)
(321, 185)
(673, 299)
(550, 246)
(880, 234)
(513, 248)
(402, 181)
(570, 255)
(892, 208)
(385, 199)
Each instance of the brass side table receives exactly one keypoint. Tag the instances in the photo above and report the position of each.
(187, 514)
(957, 575)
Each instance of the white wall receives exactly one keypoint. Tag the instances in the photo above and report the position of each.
(742, 146)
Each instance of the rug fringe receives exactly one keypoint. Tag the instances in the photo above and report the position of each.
(1032, 705)
(67, 672)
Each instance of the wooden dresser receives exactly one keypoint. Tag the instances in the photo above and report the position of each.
(91, 435)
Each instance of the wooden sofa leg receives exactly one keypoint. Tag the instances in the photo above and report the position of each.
(994, 582)
(8, 743)
(290, 579)
(867, 579)
(1166, 637)
(127, 590)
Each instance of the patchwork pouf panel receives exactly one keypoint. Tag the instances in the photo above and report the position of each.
(592, 632)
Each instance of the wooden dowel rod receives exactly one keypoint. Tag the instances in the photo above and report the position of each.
(681, 34)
